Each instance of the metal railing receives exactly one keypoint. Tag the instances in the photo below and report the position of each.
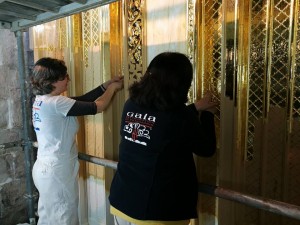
(277, 207)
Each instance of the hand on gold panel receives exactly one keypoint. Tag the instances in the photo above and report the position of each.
(118, 85)
(207, 104)
(114, 79)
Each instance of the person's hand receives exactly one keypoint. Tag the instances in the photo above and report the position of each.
(114, 79)
(117, 85)
(207, 104)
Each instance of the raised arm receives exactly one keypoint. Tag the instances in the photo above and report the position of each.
(86, 106)
(92, 95)
(202, 128)
(103, 101)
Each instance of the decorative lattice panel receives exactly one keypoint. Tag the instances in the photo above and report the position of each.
(269, 142)
(257, 73)
(86, 29)
(96, 59)
(272, 92)
(212, 46)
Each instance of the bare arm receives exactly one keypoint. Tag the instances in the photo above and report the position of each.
(206, 104)
(92, 95)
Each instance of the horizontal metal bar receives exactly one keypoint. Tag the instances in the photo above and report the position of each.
(270, 205)
(98, 161)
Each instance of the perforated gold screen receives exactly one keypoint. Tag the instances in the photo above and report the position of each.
(248, 55)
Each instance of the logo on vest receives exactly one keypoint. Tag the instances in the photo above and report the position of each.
(138, 126)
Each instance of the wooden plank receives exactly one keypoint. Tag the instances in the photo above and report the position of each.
(33, 5)
(5, 25)
(64, 11)
(80, 1)
(17, 15)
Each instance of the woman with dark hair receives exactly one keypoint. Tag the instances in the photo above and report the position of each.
(156, 181)
(54, 120)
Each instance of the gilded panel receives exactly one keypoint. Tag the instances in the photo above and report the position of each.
(135, 39)
(208, 70)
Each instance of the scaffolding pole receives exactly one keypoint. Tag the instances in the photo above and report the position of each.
(270, 205)
(26, 115)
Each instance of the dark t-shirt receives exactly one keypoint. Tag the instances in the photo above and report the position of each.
(156, 176)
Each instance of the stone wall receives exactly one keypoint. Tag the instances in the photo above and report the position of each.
(13, 206)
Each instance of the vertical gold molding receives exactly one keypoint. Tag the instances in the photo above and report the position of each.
(268, 57)
(200, 21)
(116, 68)
(191, 7)
(266, 102)
(242, 22)
(191, 46)
(242, 82)
(116, 44)
(191, 53)
(112, 116)
(292, 53)
(208, 62)
(76, 65)
(291, 62)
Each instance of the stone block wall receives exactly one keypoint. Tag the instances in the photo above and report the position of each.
(13, 205)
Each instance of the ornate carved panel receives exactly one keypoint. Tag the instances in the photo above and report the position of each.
(135, 39)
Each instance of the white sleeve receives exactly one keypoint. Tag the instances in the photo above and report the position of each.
(64, 104)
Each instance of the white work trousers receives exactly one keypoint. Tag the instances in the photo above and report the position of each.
(57, 183)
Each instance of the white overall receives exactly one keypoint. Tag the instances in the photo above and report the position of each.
(58, 191)
(56, 168)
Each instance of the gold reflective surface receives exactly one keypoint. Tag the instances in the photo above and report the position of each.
(245, 52)
(248, 55)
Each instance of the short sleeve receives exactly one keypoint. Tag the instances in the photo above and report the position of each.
(64, 104)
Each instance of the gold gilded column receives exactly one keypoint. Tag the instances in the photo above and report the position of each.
(208, 73)
(135, 39)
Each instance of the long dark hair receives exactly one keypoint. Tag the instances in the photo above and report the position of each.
(165, 84)
(47, 71)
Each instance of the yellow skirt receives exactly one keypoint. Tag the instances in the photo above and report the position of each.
(118, 213)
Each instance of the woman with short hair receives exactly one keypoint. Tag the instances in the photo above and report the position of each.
(54, 119)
